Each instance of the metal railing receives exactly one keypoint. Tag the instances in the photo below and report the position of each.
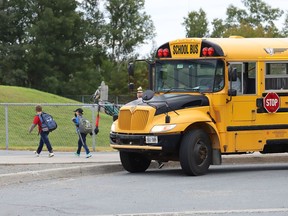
(16, 119)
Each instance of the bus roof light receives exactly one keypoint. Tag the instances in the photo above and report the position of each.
(165, 52)
(205, 51)
(160, 53)
(211, 51)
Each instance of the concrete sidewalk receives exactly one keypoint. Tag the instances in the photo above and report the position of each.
(24, 166)
(28, 157)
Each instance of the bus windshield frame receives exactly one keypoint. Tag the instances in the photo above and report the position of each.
(193, 75)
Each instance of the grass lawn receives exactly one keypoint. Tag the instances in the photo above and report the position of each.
(64, 138)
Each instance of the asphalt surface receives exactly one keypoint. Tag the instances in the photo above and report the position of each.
(24, 166)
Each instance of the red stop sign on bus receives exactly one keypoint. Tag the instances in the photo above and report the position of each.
(271, 102)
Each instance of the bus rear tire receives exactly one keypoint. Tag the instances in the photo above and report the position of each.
(134, 162)
(195, 153)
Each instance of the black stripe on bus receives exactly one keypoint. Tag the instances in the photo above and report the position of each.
(277, 142)
(283, 94)
(257, 127)
(262, 110)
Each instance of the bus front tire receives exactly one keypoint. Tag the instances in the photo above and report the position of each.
(134, 162)
(195, 153)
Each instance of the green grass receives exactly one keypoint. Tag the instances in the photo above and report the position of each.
(64, 138)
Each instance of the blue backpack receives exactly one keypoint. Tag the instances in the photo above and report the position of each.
(48, 123)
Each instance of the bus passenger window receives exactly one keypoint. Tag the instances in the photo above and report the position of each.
(276, 76)
(249, 77)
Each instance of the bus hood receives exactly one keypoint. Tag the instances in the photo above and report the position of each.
(172, 102)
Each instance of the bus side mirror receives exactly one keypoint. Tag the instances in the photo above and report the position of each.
(232, 74)
(148, 95)
(131, 69)
(115, 117)
(232, 92)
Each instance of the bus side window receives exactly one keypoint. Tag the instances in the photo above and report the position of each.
(276, 76)
(249, 78)
(237, 85)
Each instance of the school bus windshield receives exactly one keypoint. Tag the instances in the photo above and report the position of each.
(189, 75)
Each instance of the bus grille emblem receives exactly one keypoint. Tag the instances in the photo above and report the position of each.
(132, 109)
(272, 51)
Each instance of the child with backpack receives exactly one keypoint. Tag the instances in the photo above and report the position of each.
(43, 130)
(83, 127)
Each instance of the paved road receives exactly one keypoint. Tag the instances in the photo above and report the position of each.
(23, 166)
(227, 190)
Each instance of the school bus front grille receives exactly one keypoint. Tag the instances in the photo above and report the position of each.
(136, 120)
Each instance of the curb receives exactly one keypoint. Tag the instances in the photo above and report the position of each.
(67, 172)
(100, 169)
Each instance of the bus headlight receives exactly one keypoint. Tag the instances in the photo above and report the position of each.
(162, 128)
(113, 127)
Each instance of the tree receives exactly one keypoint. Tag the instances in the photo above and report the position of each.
(257, 20)
(218, 28)
(127, 28)
(284, 30)
(15, 19)
(196, 24)
(57, 45)
(95, 31)
(55, 52)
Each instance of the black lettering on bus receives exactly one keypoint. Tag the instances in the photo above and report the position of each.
(180, 49)
(193, 49)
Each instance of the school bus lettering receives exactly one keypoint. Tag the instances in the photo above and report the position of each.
(180, 49)
(193, 49)
(207, 97)
(185, 49)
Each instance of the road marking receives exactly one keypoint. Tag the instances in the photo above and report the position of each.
(247, 211)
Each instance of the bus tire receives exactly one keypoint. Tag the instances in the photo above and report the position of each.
(134, 162)
(195, 153)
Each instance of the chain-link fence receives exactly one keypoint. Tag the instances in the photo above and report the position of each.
(120, 99)
(16, 119)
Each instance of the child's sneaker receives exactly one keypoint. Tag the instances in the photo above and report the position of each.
(51, 154)
(88, 155)
(36, 154)
(76, 154)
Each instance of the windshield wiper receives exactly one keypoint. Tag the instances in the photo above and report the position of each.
(174, 89)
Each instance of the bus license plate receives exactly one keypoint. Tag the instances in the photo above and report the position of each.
(151, 139)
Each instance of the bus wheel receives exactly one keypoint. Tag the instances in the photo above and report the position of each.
(134, 162)
(195, 152)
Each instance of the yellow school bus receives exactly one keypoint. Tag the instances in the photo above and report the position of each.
(208, 97)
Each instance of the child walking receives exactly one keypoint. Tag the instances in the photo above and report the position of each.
(43, 134)
(82, 136)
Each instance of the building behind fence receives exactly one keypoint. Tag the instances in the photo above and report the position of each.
(16, 119)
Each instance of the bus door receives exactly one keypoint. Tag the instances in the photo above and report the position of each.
(243, 109)
(244, 103)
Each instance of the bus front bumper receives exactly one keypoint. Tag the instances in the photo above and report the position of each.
(138, 142)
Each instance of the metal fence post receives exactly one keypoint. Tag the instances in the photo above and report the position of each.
(6, 125)
(93, 121)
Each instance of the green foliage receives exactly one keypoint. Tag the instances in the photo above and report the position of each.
(57, 45)
(256, 20)
(284, 30)
(15, 20)
(128, 27)
(218, 28)
(196, 24)
(141, 73)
